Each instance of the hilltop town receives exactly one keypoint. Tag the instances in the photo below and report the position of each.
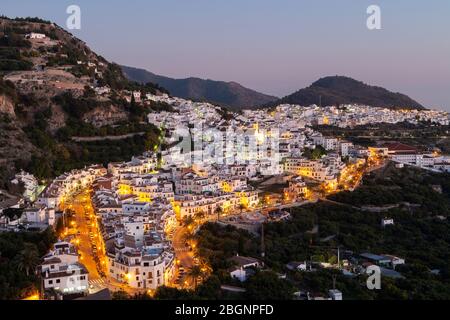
(128, 225)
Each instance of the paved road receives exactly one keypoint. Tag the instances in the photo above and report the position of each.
(101, 138)
(84, 226)
(183, 255)
(82, 206)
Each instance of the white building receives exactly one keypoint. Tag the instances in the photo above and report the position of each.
(243, 267)
(335, 294)
(146, 268)
(387, 222)
(30, 184)
(34, 35)
(40, 215)
(61, 271)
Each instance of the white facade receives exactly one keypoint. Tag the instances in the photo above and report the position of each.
(148, 268)
(61, 271)
(34, 35)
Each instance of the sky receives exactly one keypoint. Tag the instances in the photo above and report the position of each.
(273, 46)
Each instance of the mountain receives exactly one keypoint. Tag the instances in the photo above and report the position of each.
(53, 90)
(337, 90)
(229, 94)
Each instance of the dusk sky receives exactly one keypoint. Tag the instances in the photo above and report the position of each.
(273, 46)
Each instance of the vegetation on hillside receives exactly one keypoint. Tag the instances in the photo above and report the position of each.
(338, 90)
(228, 94)
(20, 254)
(420, 235)
(55, 151)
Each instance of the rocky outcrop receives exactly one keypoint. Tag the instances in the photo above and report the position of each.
(104, 116)
(6, 106)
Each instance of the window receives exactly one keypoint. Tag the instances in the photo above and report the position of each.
(50, 281)
(58, 281)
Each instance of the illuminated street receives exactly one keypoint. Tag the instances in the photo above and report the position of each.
(88, 239)
(184, 257)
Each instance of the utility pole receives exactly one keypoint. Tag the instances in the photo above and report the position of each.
(338, 258)
(263, 253)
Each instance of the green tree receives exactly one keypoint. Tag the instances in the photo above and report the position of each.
(199, 215)
(188, 220)
(28, 258)
(267, 285)
(120, 295)
(210, 288)
(195, 272)
(218, 211)
(168, 293)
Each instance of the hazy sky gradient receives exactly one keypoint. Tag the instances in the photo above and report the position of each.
(274, 46)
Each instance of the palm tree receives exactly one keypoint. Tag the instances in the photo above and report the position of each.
(28, 258)
(195, 272)
(188, 220)
(199, 215)
(205, 268)
(218, 211)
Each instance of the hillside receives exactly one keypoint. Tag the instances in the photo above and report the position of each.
(337, 90)
(229, 94)
(53, 88)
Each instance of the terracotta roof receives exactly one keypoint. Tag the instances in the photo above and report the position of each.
(242, 261)
(399, 147)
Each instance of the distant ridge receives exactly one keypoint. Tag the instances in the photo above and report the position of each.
(229, 94)
(337, 90)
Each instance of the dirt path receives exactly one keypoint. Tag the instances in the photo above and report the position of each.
(100, 138)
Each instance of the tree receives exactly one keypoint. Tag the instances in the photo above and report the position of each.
(199, 215)
(268, 286)
(168, 293)
(120, 295)
(210, 288)
(187, 221)
(59, 225)
(195, 272)
(28, 258)
(218, 211)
